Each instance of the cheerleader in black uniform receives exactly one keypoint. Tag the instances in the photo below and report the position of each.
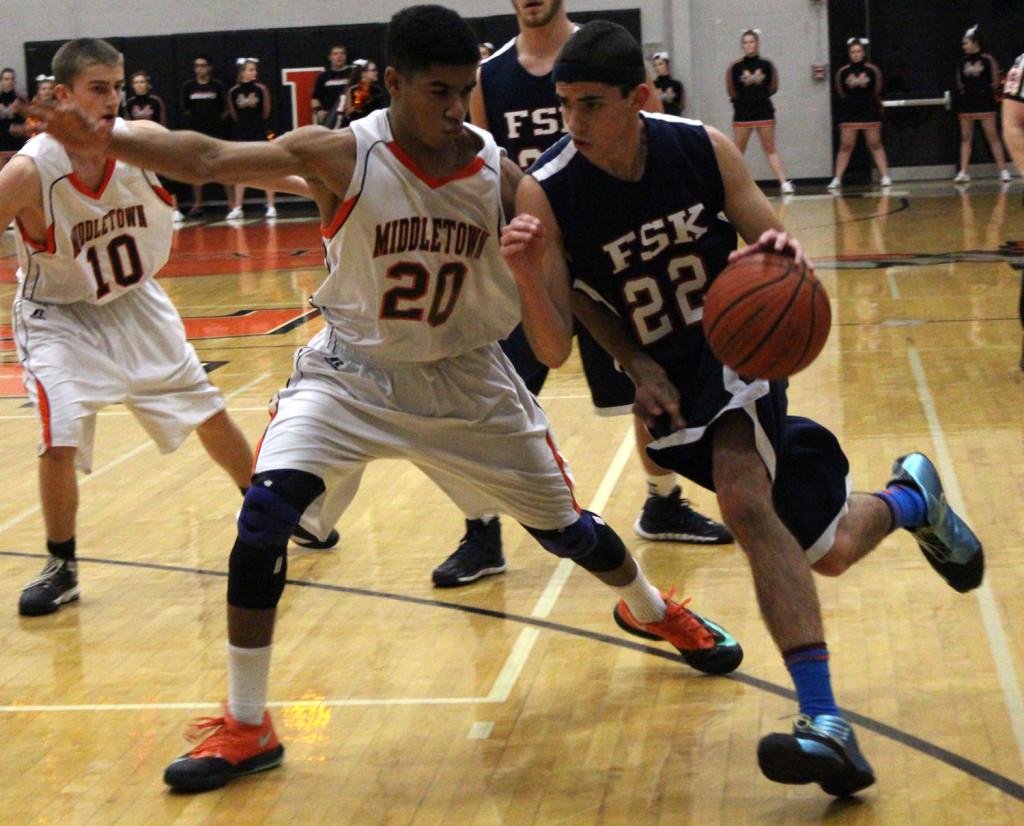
(249, 110)
(751, 82)
(859, 86)
(977, 79)
(143, 105)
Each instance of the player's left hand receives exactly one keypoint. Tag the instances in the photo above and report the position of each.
(72, 127)
(772, 240)
(657, 399)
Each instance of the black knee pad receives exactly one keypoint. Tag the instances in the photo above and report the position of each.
(258, 564)
(588, 542)
(256, 575)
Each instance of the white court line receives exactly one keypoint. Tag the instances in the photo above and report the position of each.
(135, 451)
(503, 684)
(520, 652)
(894, 288)
(994, 628)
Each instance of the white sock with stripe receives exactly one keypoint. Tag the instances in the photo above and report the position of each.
(643, 599)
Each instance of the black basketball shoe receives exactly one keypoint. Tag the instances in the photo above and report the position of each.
(672, 519)
(479, 554)
(304, 539)
(57, 584)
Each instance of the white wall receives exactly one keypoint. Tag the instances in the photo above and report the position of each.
(702, 35)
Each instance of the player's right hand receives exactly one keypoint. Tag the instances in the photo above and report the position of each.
(72, 127)
(657, 399)
(522, 245)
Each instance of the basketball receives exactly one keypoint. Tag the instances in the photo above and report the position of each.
(766, 317)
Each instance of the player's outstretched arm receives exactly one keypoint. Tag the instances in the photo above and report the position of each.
(747, 207)
(184, 156)
(532, 247)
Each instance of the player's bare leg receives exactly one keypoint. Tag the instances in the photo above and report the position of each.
(822, 747)
(666, 515)
(966, 140)
(58, 495)
(847, 139)
(227, 446)
(867, 522)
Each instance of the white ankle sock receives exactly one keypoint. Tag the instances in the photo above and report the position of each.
(248, 675)
(661, 485)
(644, 601)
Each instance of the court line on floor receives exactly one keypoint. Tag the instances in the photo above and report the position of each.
(120, 460)
(929, 749)
(509, 673)
(995, 629)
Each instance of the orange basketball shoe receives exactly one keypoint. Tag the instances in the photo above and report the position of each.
(229, 749)
(703, 644)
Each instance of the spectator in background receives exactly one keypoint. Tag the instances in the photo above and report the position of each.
(143, 105)
(249, 111)
(486, 50)
(364, 94)
(330, 87)
(751, 82)
(44, 94)
(977, 81)
(204, 104)
(11, 104)
(673, 95)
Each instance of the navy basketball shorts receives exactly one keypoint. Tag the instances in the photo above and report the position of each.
(809, 470)
(611, 390)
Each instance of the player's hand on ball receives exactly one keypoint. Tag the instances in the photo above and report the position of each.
(772, 240)
(522, 244)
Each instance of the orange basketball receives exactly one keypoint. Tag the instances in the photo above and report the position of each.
(766, 317)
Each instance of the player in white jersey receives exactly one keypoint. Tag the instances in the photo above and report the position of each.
(412, 202)
(91, 324)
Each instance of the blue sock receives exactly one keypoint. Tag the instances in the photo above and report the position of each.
(909, 510)
(808, 666)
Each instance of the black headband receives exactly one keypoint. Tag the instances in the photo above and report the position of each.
(592, 73)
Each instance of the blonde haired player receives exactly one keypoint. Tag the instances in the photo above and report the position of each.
(91, 324)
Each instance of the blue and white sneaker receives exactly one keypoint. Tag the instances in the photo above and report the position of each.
(948, 544)
(820, 750)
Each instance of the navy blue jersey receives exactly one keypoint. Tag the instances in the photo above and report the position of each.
(648, 249)
(522, 110)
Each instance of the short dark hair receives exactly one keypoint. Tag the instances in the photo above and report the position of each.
(203, 56)
(140, 73)
(606, 44)
(421, 36)
(7, 69)
(77, 55)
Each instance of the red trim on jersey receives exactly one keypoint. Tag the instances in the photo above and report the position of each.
(752, 123)
(339, 218)
(854, 124)
(163, 195)
(44, 413)
(467, 171)
(50, 246)
(108, 173)
(561, 466)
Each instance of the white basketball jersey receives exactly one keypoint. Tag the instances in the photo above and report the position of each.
(415, 272)
(99, 244)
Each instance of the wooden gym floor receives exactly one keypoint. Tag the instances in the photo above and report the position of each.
(516, 700)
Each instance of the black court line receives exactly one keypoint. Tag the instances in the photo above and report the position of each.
(904, 204)
(959, 762)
